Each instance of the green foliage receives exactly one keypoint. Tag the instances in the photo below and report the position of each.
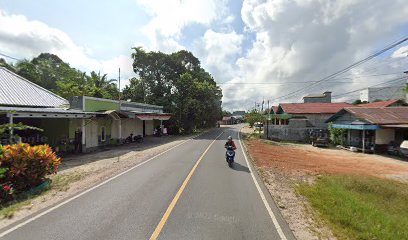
(253, 117)
(226, 113)
(50, 72)
(26, 167)
(177, 82)
(17, 126)
(337, 135)
(360, 207)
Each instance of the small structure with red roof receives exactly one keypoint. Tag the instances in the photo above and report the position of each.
(383, 104)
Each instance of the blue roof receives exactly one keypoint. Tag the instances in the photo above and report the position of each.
(357, 126)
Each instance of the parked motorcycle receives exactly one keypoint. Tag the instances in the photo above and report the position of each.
(230, 155)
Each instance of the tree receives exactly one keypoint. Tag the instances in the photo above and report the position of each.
(134, 91)
(50, 72)
(177, 82)
(337, 135)
(358, 101)
(226, 113)
(253, 117)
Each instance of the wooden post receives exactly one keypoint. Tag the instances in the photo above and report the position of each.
(83, 135)
(11, 122)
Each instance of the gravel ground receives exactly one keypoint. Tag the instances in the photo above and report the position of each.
(83, 171)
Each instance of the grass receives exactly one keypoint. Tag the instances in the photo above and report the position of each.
(358, 207)
(8, 210)
(60, 183)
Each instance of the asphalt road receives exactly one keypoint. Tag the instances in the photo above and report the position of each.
(188, 192)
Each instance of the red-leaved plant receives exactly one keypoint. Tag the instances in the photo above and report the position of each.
(27, 166)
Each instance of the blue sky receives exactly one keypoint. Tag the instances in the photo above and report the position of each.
(248, 41)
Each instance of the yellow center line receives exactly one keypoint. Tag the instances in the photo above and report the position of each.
(173, 203)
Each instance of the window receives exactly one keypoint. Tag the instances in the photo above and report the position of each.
(103, 134)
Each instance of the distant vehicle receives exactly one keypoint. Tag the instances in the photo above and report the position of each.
(258, 125)
(319, 138)
(404, 148)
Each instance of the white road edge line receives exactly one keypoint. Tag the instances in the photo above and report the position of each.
(86, 191)
(271, 214)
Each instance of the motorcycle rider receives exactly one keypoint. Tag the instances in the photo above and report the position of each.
(230, 142)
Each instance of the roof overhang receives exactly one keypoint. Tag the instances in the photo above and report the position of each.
(395, 126)
(153, 117)
(25, 112)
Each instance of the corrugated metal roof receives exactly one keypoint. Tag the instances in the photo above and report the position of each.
(18, 91)
(45, 110)
(380, 104)
(389, 115)
(312, 108)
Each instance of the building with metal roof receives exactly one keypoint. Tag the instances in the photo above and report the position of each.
(382, 104)
(18, 91)
(372, 128)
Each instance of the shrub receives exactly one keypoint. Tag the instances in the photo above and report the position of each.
(25, 166)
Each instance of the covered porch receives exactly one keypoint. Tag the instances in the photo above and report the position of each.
(360, 136)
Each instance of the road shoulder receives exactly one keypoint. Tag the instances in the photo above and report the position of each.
(282, 223)
(79, 175)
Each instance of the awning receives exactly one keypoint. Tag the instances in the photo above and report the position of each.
(153, 117)
(395, 126)
(356, 127)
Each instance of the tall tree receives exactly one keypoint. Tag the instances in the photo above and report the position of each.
(177, 82)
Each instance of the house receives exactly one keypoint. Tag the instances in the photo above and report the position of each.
(318, 98)
(371, 128)
(228, 120)
(26, 102)
(117, 121)
(383, 93)
(313, 114)
(295, 121)
(81, 125)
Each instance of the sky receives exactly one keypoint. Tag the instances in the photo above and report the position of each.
(256, 50)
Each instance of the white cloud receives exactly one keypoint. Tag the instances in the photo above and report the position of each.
(401, 52)
(303, 41)
(170, 17)
(218, 51)
(26, 38)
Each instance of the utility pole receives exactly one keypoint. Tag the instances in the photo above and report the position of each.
(267, 122)
(119, 86)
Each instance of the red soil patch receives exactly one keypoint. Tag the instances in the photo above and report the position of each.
(301, 159)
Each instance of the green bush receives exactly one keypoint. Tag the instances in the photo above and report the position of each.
(23, 167)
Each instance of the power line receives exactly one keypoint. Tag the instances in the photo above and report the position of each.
(7, 56)
(282, 83)
(344, 69)
(390, 81)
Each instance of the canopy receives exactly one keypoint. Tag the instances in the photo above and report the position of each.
(153, 117)
(356, 126)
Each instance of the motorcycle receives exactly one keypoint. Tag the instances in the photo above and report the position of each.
(230, 155)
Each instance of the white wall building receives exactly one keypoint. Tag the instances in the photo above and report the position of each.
(382, 93)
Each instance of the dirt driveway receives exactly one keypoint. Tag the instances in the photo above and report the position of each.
(304, 159)
(283, 166)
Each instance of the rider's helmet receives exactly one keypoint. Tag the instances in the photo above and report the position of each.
(229, 138)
